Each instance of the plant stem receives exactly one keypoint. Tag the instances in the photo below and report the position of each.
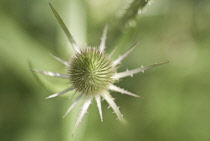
(116, 32)
(75, 14)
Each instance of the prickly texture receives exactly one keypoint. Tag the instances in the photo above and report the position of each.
(133, 9)
(90, 71)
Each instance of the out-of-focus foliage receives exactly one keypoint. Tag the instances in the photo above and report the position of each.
(176, 96)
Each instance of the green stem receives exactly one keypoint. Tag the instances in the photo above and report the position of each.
(116, 32)
(75, 14)
(132, 11)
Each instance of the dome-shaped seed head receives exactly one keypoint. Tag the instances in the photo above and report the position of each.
(90, 71)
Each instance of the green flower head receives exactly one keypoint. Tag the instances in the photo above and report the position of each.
(92, 74)
(91, 71)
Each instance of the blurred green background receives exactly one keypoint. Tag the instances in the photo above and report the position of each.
(176, 96)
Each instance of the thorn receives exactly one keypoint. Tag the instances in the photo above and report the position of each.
(143, 67)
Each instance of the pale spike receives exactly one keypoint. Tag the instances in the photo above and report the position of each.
(113, 51)
(103, 39)
(117, 89)
(82, 113)
(51, 74)
(120, 58)
(138, 70)
(98, 101)
(60, 60)
(72, 105)
(112, 104)
(65, 29)
(60, 93)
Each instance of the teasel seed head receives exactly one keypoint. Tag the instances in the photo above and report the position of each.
(92, 74)
(91, 71)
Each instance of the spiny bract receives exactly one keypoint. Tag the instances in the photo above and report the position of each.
(92, 74)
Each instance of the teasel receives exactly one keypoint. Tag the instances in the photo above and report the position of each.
(92, 74)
